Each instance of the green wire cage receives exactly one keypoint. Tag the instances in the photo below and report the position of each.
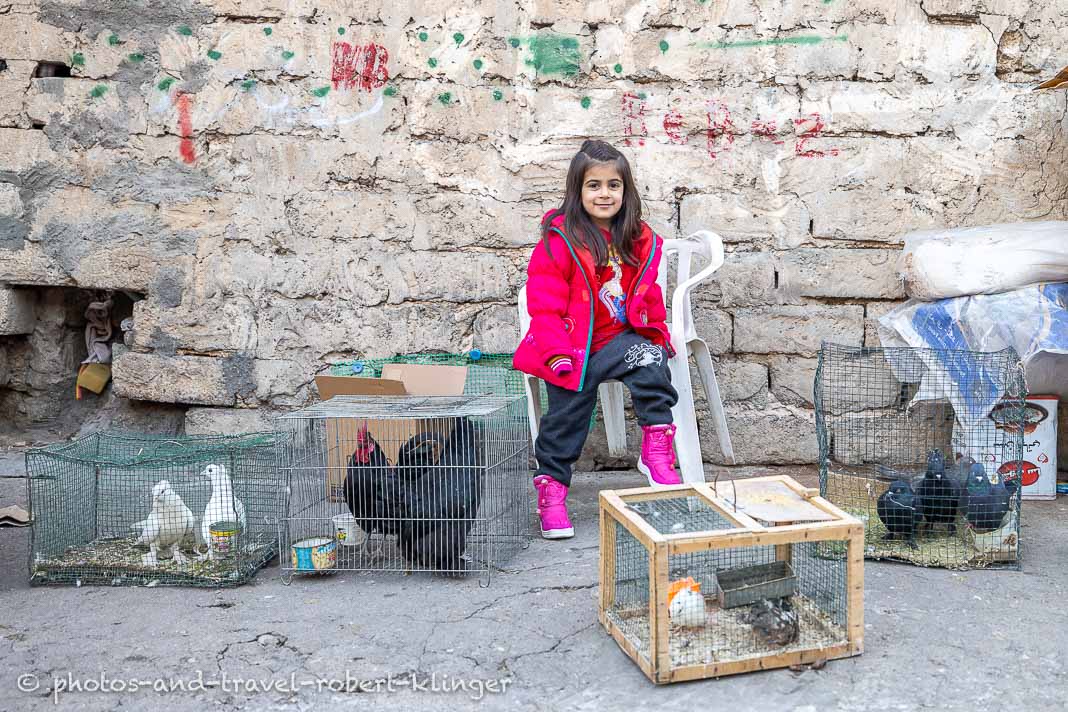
(127, 509)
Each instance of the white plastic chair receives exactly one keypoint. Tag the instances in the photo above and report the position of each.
(686, 342)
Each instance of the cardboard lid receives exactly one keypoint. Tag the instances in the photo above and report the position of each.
(330, 386)
(428, 380)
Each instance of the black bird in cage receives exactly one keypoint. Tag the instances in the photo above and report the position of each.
(939, 495)
(370, 486)
(441, 492)
(774, 621)
(987, 503)
(899, 510)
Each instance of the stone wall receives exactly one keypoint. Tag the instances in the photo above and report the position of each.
(291, 182)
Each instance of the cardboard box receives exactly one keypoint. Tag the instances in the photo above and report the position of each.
(1040, 449)
(397, 380)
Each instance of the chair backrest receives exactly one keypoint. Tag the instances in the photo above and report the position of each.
(524, 315)
(704, 244)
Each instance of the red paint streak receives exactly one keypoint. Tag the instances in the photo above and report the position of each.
(362, 66)
(766, 130)
(185, 128)
(673, 127)
(813, 128)
(720, 135)
(633, 109)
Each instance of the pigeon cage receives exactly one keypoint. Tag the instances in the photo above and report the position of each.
(406, 483)
(701, 581)
(129, 509)
(924, 445)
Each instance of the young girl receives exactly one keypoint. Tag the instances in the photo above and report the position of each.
(597, 313)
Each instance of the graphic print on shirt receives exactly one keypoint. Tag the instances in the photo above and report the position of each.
(643, 355)
(611, 293)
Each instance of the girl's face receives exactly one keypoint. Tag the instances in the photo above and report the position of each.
(602, 193)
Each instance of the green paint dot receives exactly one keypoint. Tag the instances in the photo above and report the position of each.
(113, 40)
(214, 53)
(664, 46)
(165, 84)
(432, 62)
(498, 94)
(248, 84)
(618, 68)
(514, 41)
(287, 55)
(267, 31)
(641, 95)
(390, 91)
(183, 30)
(98, 91)
(458, 37)
(77, 59)
(321, 91)
(445, 98)
(136, 57)
(585, 102)
(422, 36)
(478, 64)
(341, 30)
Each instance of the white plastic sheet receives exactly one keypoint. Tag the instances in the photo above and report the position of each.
(1032, 320)
(938, 264)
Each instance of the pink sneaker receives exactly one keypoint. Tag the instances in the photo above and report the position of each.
(657, 460)
(551, 508)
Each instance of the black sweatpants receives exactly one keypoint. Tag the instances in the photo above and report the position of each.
(630, 358)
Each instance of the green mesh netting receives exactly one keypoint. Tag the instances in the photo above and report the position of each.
(90, 500)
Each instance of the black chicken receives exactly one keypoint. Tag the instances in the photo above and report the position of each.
(987, 503)
(900, 511)
(441, 487)
(371, 490)
(939, 495)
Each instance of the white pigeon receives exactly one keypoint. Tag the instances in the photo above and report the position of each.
(222, 507)
(169, 525)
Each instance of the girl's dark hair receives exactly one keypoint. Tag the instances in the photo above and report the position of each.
(579, 226)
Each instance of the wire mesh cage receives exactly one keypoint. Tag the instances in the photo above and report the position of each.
(692, 586)
(129, 509)
(429, 483)
(924, 446)
(487, 374)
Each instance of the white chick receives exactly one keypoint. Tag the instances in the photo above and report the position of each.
(688, 608)
(169, 524)
(222, 507)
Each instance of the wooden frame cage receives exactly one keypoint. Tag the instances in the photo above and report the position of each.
(705, 580)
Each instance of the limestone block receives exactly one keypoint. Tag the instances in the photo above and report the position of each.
(873, 311)
(17, 311)
(456, 276)
(10, 202)
(227, 421)
(715, 326)
(792, 379)
(496, 329)
(24, 37)
(197, 380)
(452, 220)
(738, 379)
(745, 279)
(779, 435)
(13, 84)
(796, 329)
(843, 273)
(23, 149)
(762, 218)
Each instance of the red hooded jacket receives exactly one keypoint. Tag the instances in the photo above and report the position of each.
(561, 297)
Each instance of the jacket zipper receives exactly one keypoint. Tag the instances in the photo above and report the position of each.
(634, 286)
(589, 333)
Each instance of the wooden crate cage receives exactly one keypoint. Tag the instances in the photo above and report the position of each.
(664, 552)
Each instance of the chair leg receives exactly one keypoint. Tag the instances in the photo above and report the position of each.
(615, 424)
(687, 438)
(533, 388)
(715, 402)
